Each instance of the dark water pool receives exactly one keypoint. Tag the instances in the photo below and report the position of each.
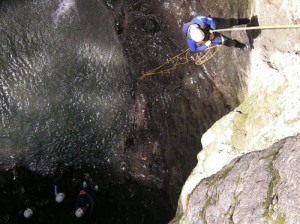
(66, 97)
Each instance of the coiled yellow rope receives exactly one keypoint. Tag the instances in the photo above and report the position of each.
(181, 59)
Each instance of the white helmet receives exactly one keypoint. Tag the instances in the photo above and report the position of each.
(60, 197)
(28, 213)
(79, 213)
(195, 33)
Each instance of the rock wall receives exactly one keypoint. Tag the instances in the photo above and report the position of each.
(271, 109)
(259, 187)
(172, 111)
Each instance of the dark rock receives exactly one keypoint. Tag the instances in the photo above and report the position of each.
(172, 111)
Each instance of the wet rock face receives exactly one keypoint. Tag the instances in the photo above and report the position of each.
(259, 187)
(172, 111)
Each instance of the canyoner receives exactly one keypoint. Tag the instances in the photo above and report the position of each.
(204, 41)
(201, 41)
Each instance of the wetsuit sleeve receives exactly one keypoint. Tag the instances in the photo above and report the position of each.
(55, 190)
(203, 21)
(202, 47)
(211, 22)
(192, 44)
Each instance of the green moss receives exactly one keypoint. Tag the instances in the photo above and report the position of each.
(268, 202)
(211, 199)
(182, 219)
(231, 210)
(219, 176)
(203, 210)
(280, 219)
(238, 179)
(273, 154)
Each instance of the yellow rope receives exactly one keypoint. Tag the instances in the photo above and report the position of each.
(258, 28)
(200, 58)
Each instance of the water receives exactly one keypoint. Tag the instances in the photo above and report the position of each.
(66, 97)
(65, 92)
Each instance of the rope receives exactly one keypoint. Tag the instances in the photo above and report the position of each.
(199, 58)
(258, 28)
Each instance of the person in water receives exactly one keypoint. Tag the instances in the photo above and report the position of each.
(199, 37)
(62, 182)
(85, 202)
(32, 215)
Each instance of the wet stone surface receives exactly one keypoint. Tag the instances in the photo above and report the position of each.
(83, 104)
(173, 111)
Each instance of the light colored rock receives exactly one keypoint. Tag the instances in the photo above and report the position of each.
(270, 113)
(259, 187)
(271, 110)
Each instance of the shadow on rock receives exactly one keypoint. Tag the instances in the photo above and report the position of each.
(253, 34)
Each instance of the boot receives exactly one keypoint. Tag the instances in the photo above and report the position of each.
(228, 42)
(240, 45)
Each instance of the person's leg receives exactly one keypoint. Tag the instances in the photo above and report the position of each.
(221, 39)
(218, 20)
(240, 45)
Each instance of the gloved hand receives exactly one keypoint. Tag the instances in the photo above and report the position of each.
(207, 43)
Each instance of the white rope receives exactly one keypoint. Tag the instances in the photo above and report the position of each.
(258, 28)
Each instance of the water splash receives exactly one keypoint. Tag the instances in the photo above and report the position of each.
(65, 8)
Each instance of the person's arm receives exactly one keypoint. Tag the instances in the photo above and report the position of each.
(192, 44)
(211, 22)
(57, 183)
(204, 46)
(203, 21)
(55, 190)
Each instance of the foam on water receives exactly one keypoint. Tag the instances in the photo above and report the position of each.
(63, 11)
